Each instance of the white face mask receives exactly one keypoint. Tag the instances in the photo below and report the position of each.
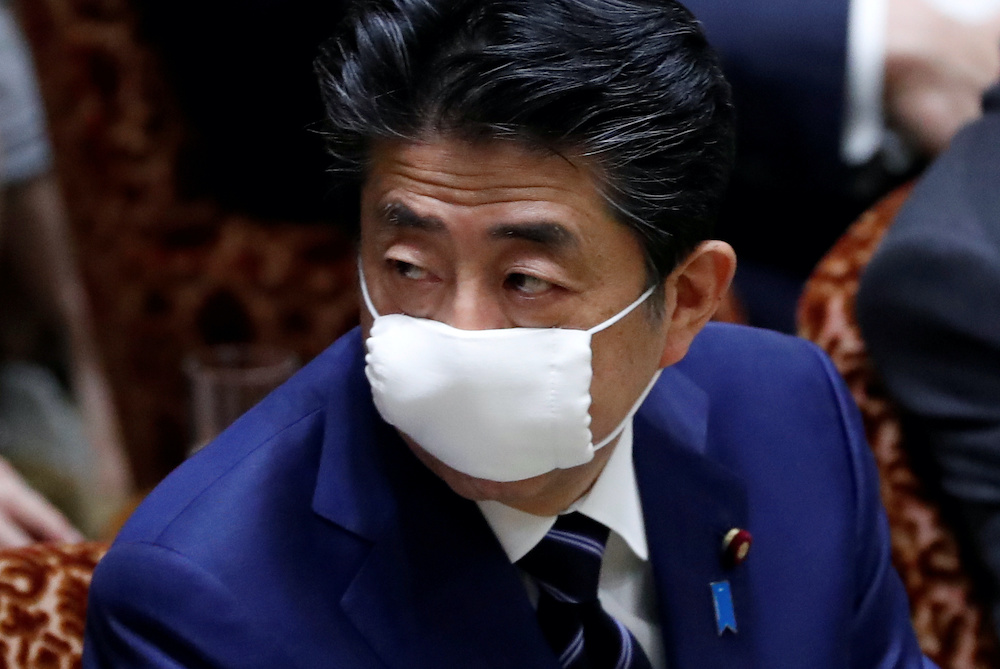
(501, 405)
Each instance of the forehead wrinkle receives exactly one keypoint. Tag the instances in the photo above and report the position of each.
(458, 169)
(486, 187)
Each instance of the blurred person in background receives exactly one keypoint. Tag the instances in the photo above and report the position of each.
(929, 309)
(67, 451)
(838, 101)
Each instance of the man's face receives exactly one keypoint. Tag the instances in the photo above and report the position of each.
(491, 235)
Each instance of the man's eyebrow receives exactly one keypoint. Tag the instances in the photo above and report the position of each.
(546, 233)
(398, 215)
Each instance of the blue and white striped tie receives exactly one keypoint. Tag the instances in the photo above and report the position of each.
(566, 565)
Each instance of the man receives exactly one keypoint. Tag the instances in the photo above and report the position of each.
(537, 186)
(929, 308)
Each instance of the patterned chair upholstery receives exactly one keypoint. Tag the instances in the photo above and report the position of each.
(43, 600)
(951, 625)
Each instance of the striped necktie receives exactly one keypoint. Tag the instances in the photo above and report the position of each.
(566, 565)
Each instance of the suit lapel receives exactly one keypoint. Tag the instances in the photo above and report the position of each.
(436, 589)
(453, 597)
(689, 503)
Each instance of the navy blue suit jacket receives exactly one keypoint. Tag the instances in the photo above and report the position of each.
(308, 535)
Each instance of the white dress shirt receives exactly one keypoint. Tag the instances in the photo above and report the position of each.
(626, 588)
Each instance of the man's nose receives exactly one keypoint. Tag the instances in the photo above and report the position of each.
(475, 308)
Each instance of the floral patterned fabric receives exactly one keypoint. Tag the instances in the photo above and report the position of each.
(43, 600)
(950, 624)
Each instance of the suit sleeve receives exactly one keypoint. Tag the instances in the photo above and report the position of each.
(152, 607)
(930, 313)
(931, 320)
(881, 632)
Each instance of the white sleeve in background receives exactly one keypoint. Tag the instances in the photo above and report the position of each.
(864, 120)
(865, 131)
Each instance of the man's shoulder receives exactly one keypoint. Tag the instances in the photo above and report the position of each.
(757, 403)
(728, 356)
(764, 394)
(944, 239)
(240, 513)
(269, 455)
(950, 213)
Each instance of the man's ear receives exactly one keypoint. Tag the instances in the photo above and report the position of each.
(693, 292)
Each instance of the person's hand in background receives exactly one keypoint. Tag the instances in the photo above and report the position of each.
(938, 63)
(26, 517)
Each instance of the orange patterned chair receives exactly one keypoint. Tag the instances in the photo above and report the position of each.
(951, 625)
(43, 600)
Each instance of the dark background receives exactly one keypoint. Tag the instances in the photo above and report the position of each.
(241, 71)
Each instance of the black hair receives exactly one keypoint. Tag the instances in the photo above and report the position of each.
(631, 84)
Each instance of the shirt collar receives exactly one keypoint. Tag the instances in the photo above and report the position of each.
(613, 500)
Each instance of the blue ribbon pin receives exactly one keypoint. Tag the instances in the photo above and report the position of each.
(725, 614)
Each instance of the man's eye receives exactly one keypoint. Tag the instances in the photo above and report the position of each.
(527, 284)
(408, 270)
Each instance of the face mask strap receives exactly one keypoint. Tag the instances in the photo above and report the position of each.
(635, 407)
(364, 290)
(623, 313)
